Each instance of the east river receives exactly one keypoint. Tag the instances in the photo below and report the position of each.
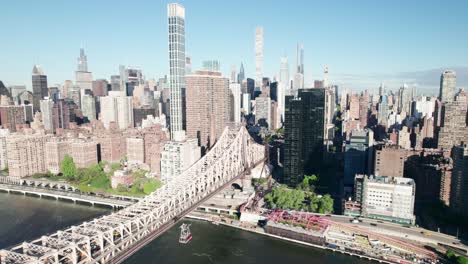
(25, 218)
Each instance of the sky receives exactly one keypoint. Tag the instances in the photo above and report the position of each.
(363, 42)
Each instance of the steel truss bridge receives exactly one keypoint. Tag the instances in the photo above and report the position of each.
(115, 237)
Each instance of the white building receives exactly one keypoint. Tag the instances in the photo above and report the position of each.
(88, 107)
(118, 108)
(176, 17)
(424, 106)
(386, 198)
(177, 157)
(150, 121)
(298, 82)
(4, 133)
(283, 89)
(246, 104)
(46, 107)
(235, 89)
(258, 57)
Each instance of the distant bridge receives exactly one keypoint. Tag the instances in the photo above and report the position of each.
(115, 237)
(64, 195)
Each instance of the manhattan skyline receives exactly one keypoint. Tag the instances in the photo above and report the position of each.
(362, 44)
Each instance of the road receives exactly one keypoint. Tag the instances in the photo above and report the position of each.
(65, 195)
(402, 231)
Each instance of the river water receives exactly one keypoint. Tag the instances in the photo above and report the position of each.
(25, 218)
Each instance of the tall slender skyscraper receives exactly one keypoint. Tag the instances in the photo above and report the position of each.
(448, 82)
(176, 18)
(233, 74)
(283, 88)
(299, 71)
(300, 58)
(39, 86)
(326, 82)
(381, 90)
(241, 75)
(84, 78)
(258, 57)
(82, 61)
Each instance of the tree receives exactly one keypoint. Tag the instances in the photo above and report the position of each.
(308, 183)
(68, 167)
(325, 204)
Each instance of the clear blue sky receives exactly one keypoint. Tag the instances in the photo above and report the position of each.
(362, 42)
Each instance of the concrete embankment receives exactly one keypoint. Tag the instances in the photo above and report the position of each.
(261, 231)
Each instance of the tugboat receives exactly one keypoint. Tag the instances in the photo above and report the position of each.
(185, 234)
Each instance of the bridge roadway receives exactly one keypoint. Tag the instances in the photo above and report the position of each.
(114, 237)
(65, 195)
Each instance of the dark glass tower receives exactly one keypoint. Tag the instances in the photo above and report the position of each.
(39, 86)
(304, 134)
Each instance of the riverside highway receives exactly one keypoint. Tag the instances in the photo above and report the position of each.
(414, 233)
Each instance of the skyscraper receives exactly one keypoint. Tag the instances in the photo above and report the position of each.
(47, 106)
(326, 82)
(304, 134)
(299, 71)
(88, 106)
(448, 82)
(116, 107)
(258, 57)
(358, 155)
(207, 106)
(176, 19)
(235, 94)
(179, 153)
(241, 75)
(459, 188)
(405, 101)
(283, 88)
(233, 74)
(454, 129)
(381, 90)
(84, 78)
(263, 111)
(61, 114)
(39, 86)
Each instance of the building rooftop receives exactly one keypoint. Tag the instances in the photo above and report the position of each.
(387, 179)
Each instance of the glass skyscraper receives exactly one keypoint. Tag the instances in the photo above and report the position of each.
(304, 134)
(176, 19)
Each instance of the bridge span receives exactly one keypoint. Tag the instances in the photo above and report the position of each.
(65, 195)
(114, 237)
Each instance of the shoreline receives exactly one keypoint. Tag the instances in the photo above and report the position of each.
(194, 217)
(206, 218)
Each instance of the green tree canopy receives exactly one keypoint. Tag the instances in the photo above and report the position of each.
(325, 204)
(68, 167)
(297, 199)
(308, 183)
